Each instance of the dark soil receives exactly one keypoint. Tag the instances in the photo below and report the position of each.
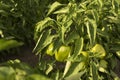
(24, 54)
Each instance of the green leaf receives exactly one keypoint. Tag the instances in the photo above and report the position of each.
(57, 44)
(64, 28)
(118, 53)
(6, 70)
(37, 77)
(94, 71)
(4, 6)
(9, 43)
(79, 43)
(103, 63)
(1, 33)
(115, 47)
(114, 75)
(50, 68)
(100, 3)
(95, 16)
(75, 76)
(67, 67)
(43, 24)
(91, 30)
(7, 73)
(3, 13)
(67, 23)
(71, 37)
(75, 68)
(62, 33)
(2, 77)
(62, 11)
(44, 39)
(102, 33)
(53, 7)
(79, 67)
(83, 5)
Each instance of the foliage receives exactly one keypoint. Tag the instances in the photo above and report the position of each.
(81, 25)
(10, 43)
(17, 18)
(15, 70)
(88, 29)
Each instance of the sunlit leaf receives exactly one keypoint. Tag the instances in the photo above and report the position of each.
(78, 47)
(50, 68)
(101, 69)
(67, 66)
(9, 43)
(44, 39)
(75, 68)
(62, 11)
(43, 24)
(118, 53)
(91, 30)
(53, 7)
(100, 3)
(75, 76)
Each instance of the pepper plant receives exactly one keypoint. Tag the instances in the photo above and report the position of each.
(90, 28)
(16, 22)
